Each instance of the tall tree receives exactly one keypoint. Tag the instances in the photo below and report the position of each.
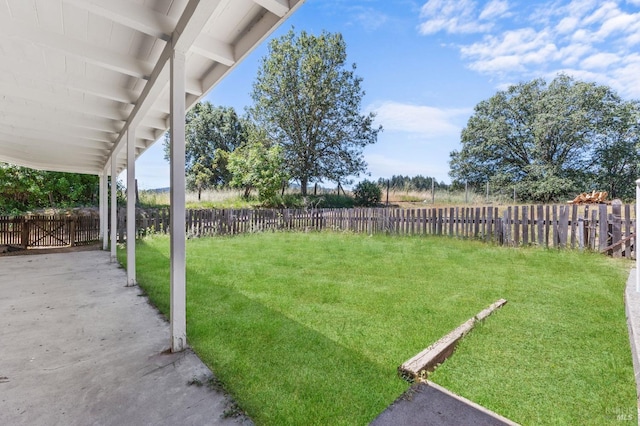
(617, 150)
(538, 137)
(309, 103)
(209, 133)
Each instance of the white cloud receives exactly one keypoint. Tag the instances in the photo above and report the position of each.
(426, 121)
(510, 52)
(383, 166)
(495, 9)
(591, 37)
(451, 17)
(370, 19)
(600, 60)
(567, 25)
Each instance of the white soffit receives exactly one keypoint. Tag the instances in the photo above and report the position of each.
(75, 74)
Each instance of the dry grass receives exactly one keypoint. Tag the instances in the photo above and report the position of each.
(219, 198)
(441, 198)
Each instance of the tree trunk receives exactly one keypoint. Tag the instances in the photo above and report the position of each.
(303, 185)
(199, 193)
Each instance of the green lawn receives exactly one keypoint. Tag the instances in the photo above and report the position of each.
(310, 328)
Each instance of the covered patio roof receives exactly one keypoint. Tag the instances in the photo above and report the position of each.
(75, 75)
(82, 79)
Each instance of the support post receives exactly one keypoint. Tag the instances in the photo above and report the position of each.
(114, 208)
(101, 204)
(178, 239)
(131, 207)
(635, 243)
(104, 209)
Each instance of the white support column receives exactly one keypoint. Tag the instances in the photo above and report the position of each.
(101, 203)
(178, 239)
(635, 243)
(104, 209)
(114, 207)
(131, 207)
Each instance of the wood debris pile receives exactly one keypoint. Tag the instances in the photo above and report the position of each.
(595, 197)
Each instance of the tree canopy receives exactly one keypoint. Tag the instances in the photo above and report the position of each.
(308, 102)
(22, 189)
(210, 132)
(548, 140)
(257, 164)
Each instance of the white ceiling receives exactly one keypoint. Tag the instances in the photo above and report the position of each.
(75, 74)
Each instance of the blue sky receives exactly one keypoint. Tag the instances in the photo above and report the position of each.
(426, 64)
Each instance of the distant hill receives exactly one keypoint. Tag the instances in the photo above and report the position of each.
(157, 190)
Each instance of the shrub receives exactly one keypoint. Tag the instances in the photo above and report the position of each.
(367, 193)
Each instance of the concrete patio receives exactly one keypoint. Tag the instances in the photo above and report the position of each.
(80, 348)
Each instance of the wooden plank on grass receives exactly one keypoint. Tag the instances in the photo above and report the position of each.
(427, 360)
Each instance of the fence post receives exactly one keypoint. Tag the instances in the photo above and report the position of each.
(635, 243)
(25, 233)
(72, 232)
(603, 227)
(616, 227)
(580, 233)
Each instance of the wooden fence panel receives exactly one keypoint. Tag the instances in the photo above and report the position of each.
(558, 226)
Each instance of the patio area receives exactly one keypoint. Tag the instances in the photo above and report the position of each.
(79, 347)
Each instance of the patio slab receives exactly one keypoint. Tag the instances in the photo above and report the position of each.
(80, 348)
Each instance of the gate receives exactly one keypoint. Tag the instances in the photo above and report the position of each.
(48, 231)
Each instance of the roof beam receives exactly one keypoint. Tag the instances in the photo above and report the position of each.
(65, 81)
(51, 146)
(277, 7)
(59, 102)
(25, 126)
(131, 15)
(88, 52)
(18, 160)
(195, 16)
(27, 149)
(76, 83)
(72, 119)
(214, 49)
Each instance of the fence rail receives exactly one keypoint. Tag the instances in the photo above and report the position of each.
(600, 227)
(48, 231)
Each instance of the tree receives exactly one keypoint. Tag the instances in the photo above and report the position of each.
(617, 154)
(22, 188)
(209, 133)
(309, 103)
(367, 193)
(539, 138)
(258, 164)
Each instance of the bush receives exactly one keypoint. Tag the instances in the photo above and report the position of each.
(367, 193)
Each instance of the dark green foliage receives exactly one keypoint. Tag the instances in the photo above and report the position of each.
(367, 193)
(23, 189)
(551, 140)
(211, 132)
(415, 183)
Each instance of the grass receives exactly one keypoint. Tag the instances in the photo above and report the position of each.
(310, 328)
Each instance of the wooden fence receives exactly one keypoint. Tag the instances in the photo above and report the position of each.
(600, 227)
(48, 231)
